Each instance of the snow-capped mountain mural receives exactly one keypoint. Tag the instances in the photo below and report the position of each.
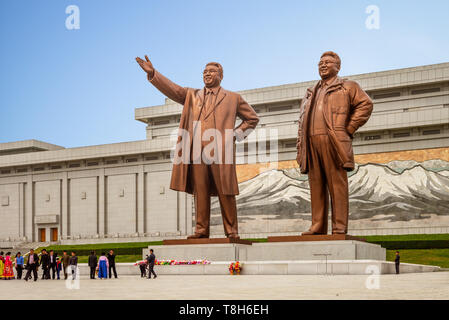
(396, 192)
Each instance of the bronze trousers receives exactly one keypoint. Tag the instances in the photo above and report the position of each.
(203, 177)
(327, 176)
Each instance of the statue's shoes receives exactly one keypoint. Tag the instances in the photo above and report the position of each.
(311, 233)
(197, 236)
(233, 236)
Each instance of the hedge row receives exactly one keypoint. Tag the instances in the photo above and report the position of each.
(118, 251)
(83, 250)
(413, 244)
(86, 252)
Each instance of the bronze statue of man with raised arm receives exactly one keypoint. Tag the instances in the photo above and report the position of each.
(204, 162)
(330, 113)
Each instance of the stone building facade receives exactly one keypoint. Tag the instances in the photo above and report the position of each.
(121, 191)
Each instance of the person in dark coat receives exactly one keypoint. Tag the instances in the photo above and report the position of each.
(52, 264)
(111, 260)
(92, 262)
(151, 259)
(397, 262)
(143, 268)
(45, 264)
(31, 266)
(73, 262)
(19, 261)
(65, 263)
(58, 267)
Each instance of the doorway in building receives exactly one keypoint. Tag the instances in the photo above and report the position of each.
(54, 234)
(42, 234)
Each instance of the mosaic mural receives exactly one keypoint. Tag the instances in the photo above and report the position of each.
(395, 194)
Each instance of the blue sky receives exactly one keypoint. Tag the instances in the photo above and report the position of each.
(80, 87)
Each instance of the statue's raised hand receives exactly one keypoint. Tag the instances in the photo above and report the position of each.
(147, 66)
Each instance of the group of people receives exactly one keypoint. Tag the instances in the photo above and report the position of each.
(102, 265)
(49, 261)
(150, 261)
(6, 268)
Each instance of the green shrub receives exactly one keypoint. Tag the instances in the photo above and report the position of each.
(133, 248)
(413, 244)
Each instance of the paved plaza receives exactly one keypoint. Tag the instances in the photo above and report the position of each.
(433, 286)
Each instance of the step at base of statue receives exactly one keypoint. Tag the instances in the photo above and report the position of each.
(318, 237)
(271, 251)
(206, 241)
(316, 267)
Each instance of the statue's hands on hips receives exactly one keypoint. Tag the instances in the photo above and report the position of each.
(147, 66)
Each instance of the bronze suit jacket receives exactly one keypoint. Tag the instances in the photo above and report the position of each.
(228, 105)
(346, 108)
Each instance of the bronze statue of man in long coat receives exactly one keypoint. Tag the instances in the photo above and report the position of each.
(330, 113)
(204, 163)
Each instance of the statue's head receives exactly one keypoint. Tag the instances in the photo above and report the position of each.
(329, 65)
(212, 74)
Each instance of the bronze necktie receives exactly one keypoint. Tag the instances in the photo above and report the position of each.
(208, 102)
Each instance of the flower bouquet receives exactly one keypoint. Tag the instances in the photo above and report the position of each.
(139, 263)
(235, 268)
(180, 262)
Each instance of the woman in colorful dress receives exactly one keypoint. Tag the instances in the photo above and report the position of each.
(2, 264)
(8, 273)
(103, 266)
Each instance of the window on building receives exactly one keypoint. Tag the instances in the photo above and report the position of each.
(92, 164)
(111, 161)
(74, 165)
(39, 169)
(373, 137)
(431, 131)
(5, 171)
(427, 90)
(131, 160)
(290, 145)
(161, 122)
(386, 95)
(151, 158)
(21, 170)
(401, 134)
(279, 108)
(55, 167)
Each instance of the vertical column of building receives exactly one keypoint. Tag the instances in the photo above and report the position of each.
(189, 213)
(64, 223)
(65, 195)
(101, 202)
(29, 208)
(140, 200)
(21, 232)
(182, 212)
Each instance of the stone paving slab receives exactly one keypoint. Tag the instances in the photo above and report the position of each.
(312, 267)
(430, 286)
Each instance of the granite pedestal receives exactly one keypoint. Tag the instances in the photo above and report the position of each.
(330, 254)
(294, 248)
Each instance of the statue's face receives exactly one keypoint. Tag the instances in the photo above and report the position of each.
(328, 67)
(211, 76)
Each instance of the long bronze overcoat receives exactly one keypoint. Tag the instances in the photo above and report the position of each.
(346, 108)
(228, 106)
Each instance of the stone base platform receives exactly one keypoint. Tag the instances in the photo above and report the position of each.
(206, 241)
(269, 251)
(306, 267)
(321, 237)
